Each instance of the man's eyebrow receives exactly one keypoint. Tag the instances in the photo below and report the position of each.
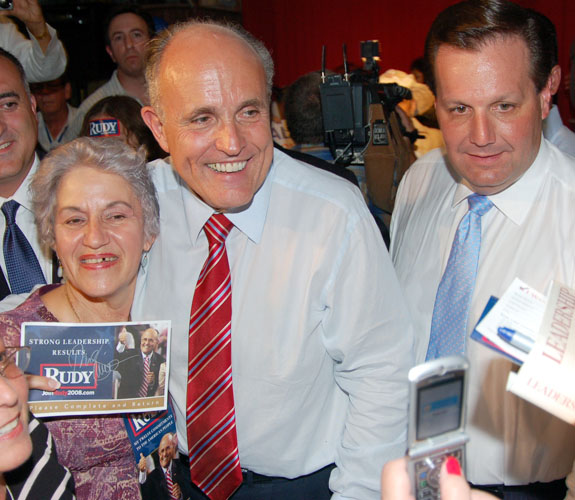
(207, 110)
(10, 93)
(202, 110)
(258, 103)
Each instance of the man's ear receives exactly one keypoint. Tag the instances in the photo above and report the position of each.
(154, 123)
(554, 79)
(110, 53)
(550, 89)
(34, 106)
(67, 91)
(545, 101)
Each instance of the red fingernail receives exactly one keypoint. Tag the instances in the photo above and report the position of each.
(452, 466)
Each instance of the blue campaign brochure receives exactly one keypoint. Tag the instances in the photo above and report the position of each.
(102, 367)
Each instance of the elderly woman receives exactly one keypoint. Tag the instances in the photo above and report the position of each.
(95, 205)
(22, 435)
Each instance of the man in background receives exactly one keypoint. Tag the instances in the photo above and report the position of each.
(302, 109)
(127, 30)
(553, 128)
(54, 113)
(42, 56)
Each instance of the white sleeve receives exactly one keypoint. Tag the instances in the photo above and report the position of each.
(370, 337)
(14, 300)
(39, 67)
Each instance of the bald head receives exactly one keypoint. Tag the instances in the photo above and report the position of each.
(209, 32)
(149, 341)
(166, 449)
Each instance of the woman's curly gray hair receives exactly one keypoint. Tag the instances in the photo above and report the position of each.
(112, 156)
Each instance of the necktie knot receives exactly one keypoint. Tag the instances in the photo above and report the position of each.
(9, 209)
(217, 229)
(479, 204)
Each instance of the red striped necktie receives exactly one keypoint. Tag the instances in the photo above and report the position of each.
(211, 422)
(170, 483)
(144, 386)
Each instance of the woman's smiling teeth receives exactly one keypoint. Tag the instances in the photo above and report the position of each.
(233, 166)
(10, 426)
(99, 261)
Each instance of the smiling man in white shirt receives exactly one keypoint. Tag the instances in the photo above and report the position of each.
(18, 162)
(320, 338)
(492, 84)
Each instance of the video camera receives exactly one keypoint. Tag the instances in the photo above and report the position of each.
(346, 100)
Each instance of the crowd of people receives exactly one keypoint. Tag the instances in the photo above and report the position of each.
(293, 328)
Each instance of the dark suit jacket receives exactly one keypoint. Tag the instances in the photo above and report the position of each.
(156, 488)
(334, 168)
(130, 365)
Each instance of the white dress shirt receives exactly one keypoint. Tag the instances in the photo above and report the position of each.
(530, 234)
(25, 221)
(321, 343)
(557, 133)
(38, 66)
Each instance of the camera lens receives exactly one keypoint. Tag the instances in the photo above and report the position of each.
(5, 4)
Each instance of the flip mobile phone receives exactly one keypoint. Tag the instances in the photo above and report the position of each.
(437, 391)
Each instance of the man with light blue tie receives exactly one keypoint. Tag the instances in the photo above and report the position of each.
(495, 205)
(24, 261)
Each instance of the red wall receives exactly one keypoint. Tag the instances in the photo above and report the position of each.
(295, 31)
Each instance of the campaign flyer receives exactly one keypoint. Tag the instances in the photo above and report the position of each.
(103, 368)
(155, 445)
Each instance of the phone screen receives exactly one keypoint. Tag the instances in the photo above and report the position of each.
(439, 407)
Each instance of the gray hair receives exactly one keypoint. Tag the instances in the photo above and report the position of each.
(158, 45)
(112, 156)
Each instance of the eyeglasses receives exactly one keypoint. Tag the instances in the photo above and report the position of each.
(14, 361)
(47, 87)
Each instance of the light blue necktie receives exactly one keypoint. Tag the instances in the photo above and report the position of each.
(453, 299)
(22, 266)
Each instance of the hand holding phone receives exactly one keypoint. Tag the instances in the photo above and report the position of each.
(436, 421)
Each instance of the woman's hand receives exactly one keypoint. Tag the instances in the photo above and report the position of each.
(395, 483)
(454, 486)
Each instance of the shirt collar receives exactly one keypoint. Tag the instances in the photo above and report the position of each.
(552, 123)
(21, 195)
(249, 221)
(516, 201)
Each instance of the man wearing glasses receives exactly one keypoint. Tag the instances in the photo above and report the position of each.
(54, 113)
